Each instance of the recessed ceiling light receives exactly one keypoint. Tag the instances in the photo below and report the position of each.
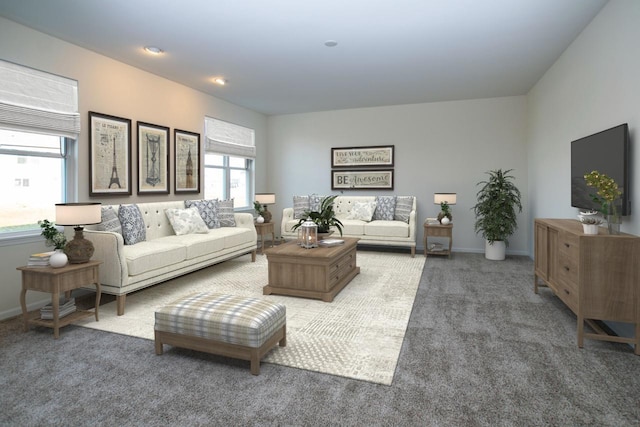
(220, 81)
(331, 43)
(153, 50)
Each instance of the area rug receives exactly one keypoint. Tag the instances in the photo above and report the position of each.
(359, 335)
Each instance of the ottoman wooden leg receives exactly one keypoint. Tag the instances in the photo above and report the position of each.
(158, 343)
(283, 341)
(255, 362)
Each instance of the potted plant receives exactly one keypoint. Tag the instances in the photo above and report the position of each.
(325, 219)
(590, 223)
(607, 195)
(259, 210)
(56, 239)
(495, 212)
(445, 212)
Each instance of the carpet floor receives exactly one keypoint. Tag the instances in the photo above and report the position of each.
(358, 335)
(481, 349)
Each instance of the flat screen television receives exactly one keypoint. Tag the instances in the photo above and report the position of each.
(608, 153)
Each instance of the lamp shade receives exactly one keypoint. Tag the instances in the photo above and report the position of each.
(78, 213)
(450, 198)
(266, 198)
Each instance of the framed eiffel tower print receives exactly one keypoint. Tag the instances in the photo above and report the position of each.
(153, 159)
(109, 155)
(186, 161)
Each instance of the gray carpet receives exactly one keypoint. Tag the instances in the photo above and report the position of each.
(481, 350)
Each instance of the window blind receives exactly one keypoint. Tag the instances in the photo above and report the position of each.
(35, 101)
(228, 138)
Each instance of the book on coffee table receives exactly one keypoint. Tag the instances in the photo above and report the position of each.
(331, 242)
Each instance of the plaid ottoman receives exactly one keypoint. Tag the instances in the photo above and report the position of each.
(226, 325)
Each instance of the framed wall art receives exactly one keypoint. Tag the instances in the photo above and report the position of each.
(186, 161)
(153, 159)
(362, 179)
(356, 157)
(109, 155)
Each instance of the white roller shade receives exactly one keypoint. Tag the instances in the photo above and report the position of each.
(228, 138)
(36, 101)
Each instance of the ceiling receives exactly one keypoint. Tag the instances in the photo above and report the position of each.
(274, 57)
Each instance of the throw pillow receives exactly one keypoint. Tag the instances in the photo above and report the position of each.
(404, 205)
(300, 206)
(208, 210)
(186, 221)
(133, 228)
(225, 213)
(362, 211)
(315, 202)
(385, 208)
(109, 220)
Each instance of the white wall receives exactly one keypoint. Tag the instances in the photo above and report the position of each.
(439, 147)
(593, 86)
(110, 87)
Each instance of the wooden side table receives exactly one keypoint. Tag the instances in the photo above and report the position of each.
(55, 281)
(438, 230)
(264, 229)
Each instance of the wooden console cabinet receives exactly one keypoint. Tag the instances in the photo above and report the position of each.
(596, 276)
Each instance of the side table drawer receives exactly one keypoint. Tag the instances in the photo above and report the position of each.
(437, 232)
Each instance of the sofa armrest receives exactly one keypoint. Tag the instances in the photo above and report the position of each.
(109, 249)
(245, 220)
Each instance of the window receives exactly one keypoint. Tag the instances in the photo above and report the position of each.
(33, 168)
(229, 162)
(39, 123)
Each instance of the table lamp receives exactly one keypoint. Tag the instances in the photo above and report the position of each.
(266, 199)
(444, 200)
(79, 250)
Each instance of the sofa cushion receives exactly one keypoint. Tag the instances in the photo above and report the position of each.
(198, 245)
(186, 221)
(225, 213)
(362, 211)
(133, 228)
(154, 254)
(382, 228)
(109, 220)
(404, 204)
(315, 202)
(208, 210)
(300, 206)
(352, 227)
(385, 208)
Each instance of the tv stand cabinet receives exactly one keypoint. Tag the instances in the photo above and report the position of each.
(596, 276)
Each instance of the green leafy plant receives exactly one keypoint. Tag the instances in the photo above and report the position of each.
(607, 194)
(496, 205)
(325, 219)
(445, 211)
(53, 237)
(258, 207)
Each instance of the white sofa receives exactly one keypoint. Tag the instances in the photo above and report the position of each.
(375, 232)
(163, 254)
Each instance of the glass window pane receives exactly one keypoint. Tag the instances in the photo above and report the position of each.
(237, 162)
(239, 188)
(214, 183)
(31, 188)
(213, 160)
(12, 141)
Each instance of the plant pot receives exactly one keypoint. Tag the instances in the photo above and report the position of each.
(58, 259)
(495, 251)
(590, 228)
(324, 235)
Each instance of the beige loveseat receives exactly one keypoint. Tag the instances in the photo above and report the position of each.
(390, 232)
(163, 254)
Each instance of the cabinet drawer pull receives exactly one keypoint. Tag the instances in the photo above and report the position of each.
(566, 292)
(566, 268)
(567, 245)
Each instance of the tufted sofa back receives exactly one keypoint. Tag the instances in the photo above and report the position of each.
(342, 204)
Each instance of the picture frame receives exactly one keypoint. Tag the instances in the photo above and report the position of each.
(371, 179)
(356, 157)
(186, 161)
(153, 159)
(109, 155)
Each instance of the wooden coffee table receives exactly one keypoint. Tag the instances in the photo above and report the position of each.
(318, 273)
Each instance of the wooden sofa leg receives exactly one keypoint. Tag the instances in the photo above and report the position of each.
(253, 255)
(120, 300)
(413, 251)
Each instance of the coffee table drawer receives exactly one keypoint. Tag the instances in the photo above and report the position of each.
(341, 268)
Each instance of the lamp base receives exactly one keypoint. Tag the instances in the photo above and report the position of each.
(79, 250)
(266, 214)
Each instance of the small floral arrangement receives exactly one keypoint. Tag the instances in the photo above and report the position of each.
(52, 235)
(258, 207)
(608, 191)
